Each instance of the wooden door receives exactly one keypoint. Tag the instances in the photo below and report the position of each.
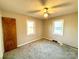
(9, 33)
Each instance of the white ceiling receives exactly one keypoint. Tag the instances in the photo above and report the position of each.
(23, 6)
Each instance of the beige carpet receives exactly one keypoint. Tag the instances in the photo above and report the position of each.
(42, 49)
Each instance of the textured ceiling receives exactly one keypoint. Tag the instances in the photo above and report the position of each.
(23, 6)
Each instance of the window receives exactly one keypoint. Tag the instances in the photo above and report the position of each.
(58, 27)
(30, 27)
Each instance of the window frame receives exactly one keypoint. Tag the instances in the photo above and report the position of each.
(28, 21)
(60, 20)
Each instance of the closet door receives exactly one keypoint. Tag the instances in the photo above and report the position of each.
(9, 33)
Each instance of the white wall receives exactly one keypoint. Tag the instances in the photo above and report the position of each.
(1, 38)
(70, 36)
(22, 37)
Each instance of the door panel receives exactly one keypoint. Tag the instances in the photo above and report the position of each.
(9, 33)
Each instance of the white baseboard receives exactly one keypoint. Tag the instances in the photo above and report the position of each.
(52, 39)
(28, 42)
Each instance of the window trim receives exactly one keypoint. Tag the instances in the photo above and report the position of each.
(33, 27)
(54, 27)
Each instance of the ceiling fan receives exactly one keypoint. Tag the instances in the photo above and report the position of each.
(45, 10)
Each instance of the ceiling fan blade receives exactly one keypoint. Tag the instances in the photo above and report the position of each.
(61, 5)
(43, 2)
(35, 11)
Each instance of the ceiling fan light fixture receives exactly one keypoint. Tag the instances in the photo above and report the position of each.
(45, 10)
(45, 15)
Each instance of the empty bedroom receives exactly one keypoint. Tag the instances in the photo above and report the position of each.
(38, 29)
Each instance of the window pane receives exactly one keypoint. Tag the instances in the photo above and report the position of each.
(58, 27)
(30, 27)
